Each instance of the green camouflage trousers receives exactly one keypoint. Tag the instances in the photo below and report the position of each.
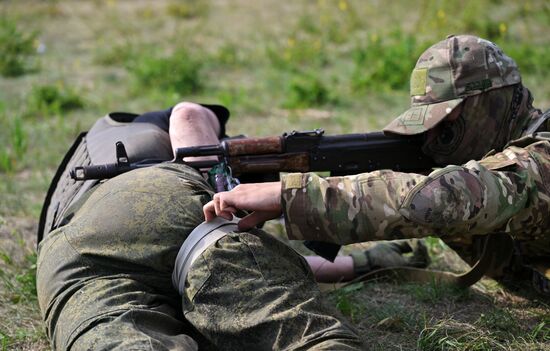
(104, 279)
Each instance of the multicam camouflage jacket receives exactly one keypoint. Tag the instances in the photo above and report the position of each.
(506, 192)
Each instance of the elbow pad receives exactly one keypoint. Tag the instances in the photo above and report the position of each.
(447, 197)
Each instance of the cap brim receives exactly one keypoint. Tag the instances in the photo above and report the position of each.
(421, 118)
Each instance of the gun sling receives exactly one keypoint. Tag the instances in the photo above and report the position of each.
(498, 248)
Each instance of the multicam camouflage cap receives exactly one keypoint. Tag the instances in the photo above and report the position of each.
(447, 73)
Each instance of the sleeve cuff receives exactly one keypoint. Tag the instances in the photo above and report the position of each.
(293, 202)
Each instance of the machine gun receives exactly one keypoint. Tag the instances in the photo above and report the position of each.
(305, 151)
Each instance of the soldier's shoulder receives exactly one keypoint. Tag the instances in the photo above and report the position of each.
(536, 145)
(530, 139)
(519, 151)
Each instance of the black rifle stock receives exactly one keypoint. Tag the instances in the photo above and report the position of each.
(309, 151)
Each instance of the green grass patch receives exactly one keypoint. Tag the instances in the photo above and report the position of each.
(541, 331)
(297, 52)
(334, 21)
(17, 47)
(116, 55)
(385, 63)
(230, 54)
(343, 298)
(393, 317)
(14, 141)
(20, 327)
(20, 282)
(178, 72)
(498, 329)
(240, 98)
(436, 291)
(531, 59)
(501, 322)
(51, 100)
(307, 90)
(188, 9)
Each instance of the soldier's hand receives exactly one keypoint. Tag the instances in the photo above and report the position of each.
(387, 254)
(263, 199)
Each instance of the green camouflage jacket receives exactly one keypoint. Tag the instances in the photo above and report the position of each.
(507, 192)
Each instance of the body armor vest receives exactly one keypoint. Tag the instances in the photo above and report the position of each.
(143, 141)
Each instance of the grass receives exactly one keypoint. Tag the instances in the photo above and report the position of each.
(52, 100)
(16, 48)
(343, 300)
(435, 291)
(392, 317)
(15, 144)
(385, 63)
(179, 72)
(22, 329)
(188, 10)
(340, 65)
(307, 90)
(497, 330)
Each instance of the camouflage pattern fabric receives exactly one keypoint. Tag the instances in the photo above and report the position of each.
(448, 72)
(506, 192)
(104, 279)
(473, 77)
(385, 254)
(486, 122)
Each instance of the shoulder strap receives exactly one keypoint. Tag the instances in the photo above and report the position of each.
(535, 126)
